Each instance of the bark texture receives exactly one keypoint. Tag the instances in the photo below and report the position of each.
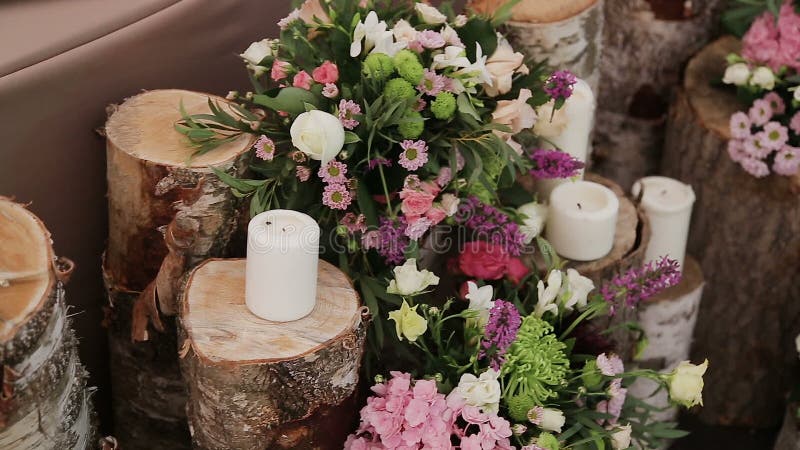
(167, 212)
(789, 436)
(746, 235)
(646, 44)
(44, 401)
(256, 384)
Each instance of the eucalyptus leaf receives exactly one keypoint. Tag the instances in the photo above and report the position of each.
(291, 100)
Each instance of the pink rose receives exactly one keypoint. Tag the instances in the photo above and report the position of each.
(326, 73)
(516, 270)
(484, 260)
(279, 69)
(415, 203)
(436, 215)
(431, 188)
(302, 80)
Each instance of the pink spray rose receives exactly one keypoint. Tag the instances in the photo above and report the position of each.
(415, 203)
(326, 73)
(279, 69)
(302, 80)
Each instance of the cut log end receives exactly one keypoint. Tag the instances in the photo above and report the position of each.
(536, 11)
(712, 105)
(143, 127)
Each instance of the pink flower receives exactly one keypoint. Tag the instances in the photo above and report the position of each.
(431, 83)
(336, 196)
(760, 113)
(348, 109)
(330, 91)
(757, 145)
(302, 80)
(736, 150)
(471, 442)
(776, 135)
(484, 260)
(333, 172)
(421, 104)
(740, 125)
(302, 173)
(444, 177)
(416, 46)
(265, 148)
(418, 227)
(616, 399)
(436, 215)
(371, 239)
(516, 270)
(761, 41)
(610, 365)
(414, 155)
(354, 223)
(755, 167)
(474, 415)
(279, 69)
(794, 124)
(415, 203)
(787, 161)
(776, 103)
(789, 25)
(430, 39)
(326, 73)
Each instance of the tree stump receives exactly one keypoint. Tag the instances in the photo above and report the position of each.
(256, 384)
(746, 234)
(44, 402)
(789, 436)
(567, 34)
(167, 212)
(645, 46)
(668, 320)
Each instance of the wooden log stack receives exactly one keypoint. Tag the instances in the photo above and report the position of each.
(746, 235)
(167, 212)
(44, 402)
(256, 384)
(646, 43)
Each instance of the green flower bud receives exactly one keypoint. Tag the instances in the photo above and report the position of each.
(444, 106)
(412, 126)
(378, 66)
(548, 441)
(408, 66)
(519, 405)
(398, 89)
(591, 376)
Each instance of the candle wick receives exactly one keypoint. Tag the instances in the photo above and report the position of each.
(579, 206)
(269, 223)
(284, 229)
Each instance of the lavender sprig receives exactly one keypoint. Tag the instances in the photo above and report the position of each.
(559, 85)
(639, 284)
(501, 331)
(554, 164)
(491, 224)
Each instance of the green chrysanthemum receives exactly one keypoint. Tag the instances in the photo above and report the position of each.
(378, 66)
(398, 89)
(519, 405)
(412, 125)
(535, 362)
(444, 106)
(408, 66)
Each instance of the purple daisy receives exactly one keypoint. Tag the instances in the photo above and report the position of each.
(432, 83)
(776, 135)
(760, 113)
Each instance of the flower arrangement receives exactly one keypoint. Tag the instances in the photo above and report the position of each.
(392, 130)
(765, 138)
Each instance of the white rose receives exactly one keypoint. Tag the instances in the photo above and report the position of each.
(460, 20)
(481, 392)
(552, 420)
(533, 223)
(686, 384)
(408, 280)
(256, 53)
(318, 134)
(547, 295)
(450, 204)
(517, 114)
(763, 78)
(429, 14)
(501, 66)
(550, 124)
(737, 74)
(621, 438)
(576, 289)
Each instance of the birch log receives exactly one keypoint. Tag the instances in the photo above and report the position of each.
(646, 44)
(789, 436)
(167, 212)
(746, 235)
(256, 384)
(668, 320)
(567, 34)
(44, 403)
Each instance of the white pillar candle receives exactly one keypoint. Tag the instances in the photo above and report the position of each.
(281, 269)
(570, 129)
(582, 220)
(668, 205)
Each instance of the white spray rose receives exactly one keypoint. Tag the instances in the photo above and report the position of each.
(517, 114)
(481, 392)
(430, 14)
(501, 66)
(403, 31)
(736, 74)
(552, 420)
(408, 280)
(533, 223)
(686, 384)
(318, 134)
(575, 290)
(257, 52)
(548, 295)
(763, 78)
(621, 438)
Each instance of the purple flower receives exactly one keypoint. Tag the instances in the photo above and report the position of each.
(414, 155)
(787, 161)
(265, 148)
(736, 150)
(756, 146)
(501, 331)
(333, 172)
(554, 164)
(379, 161)
(740, 125)
(490, 224)
(559, 85)
(330, 90)
(336, 196)
(760, 112)
(392, 241)
(431, 83)
(348, 109)
(639, 284)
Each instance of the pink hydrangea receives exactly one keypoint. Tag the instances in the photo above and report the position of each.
(302, 80)
(414, 155)
(774, 44)
(265, 148)
(760, 113)
(787, 161)
(740, 125)
(336, 196)
(326, 73)
(347, 110)
(279, 69)
(333, 172)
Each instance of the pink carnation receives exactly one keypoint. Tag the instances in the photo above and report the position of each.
(302, 80)
(279, 69)
(610, 365)
(326, 73)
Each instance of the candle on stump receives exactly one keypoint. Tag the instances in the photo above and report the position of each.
(569, 130)
(668, 205)
(282, 260)
(582, 220)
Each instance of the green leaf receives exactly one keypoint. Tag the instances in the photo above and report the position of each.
(241, 185)
(291, 100)
(350, 137)
(374, 309)
(465, 106)
(478, 30)
(309, 107)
